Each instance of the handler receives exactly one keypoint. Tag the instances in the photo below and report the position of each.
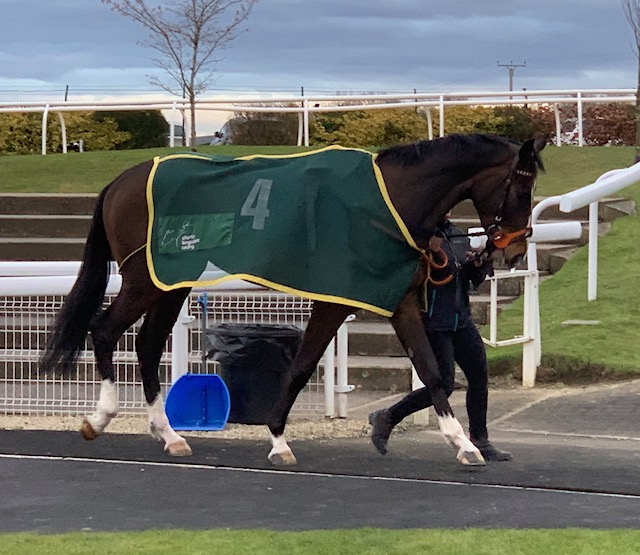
(454, 338)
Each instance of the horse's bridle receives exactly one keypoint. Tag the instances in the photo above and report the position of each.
(496, 237)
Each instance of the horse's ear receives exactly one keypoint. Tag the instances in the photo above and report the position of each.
(540, 142)
(527, 151)
(531, 147)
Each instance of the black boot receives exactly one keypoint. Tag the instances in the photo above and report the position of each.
(381, 430)
(491, 453)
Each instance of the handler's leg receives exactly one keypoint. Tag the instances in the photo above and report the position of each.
(471, 356)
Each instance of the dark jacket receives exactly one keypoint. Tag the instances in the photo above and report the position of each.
(447, 306)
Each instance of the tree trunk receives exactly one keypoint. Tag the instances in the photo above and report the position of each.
(192, 105)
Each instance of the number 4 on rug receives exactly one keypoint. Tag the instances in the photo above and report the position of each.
(256, 203)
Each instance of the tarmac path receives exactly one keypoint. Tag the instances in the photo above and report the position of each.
(576, 463)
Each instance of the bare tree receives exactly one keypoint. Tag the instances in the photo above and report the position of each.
(632, 12)
(187, 36)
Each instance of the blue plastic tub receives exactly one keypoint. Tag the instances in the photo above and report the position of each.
(198, 402)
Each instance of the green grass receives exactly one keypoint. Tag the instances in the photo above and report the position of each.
(578, 352)
(90, 172)
(369, 541)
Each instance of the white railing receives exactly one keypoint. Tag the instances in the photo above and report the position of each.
(607, 184)
(304, 106)
(31, 293)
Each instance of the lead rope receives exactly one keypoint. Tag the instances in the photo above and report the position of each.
(432, 264)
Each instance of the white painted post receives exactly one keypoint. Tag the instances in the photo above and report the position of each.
(556, 112)
(45, 115)
(592, 276)
(441, 108)
(531, 320)
(300, 129)
(305, 115)
(180, 343)
(580, 135)
(493, 312)
(342, 370)
(329, 363)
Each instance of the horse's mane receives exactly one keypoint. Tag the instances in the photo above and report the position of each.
(461, 148)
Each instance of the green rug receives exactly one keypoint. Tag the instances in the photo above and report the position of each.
(319, 225)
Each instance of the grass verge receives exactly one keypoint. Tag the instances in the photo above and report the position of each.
(369, 541)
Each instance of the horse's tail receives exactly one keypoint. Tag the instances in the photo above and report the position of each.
(83, 302)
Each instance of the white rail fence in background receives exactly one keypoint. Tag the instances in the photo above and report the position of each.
(177, 111)
(31, 293)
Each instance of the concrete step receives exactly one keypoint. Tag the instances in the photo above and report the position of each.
(380, 373)
(42, 204)
(51, 226)
(43, 248)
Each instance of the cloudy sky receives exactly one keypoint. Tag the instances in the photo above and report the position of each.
(329, 46)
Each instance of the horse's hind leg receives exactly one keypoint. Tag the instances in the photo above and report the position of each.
(106, 329)
(149, 346)
(325, 320)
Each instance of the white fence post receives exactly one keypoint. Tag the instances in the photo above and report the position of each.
(45, 116)
(580, 128)
(342, 369)
(329, 364)
(180, 343)
(305, 116)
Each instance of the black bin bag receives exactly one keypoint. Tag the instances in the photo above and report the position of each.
(253, 361)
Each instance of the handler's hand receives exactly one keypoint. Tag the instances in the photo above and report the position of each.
(435, 243)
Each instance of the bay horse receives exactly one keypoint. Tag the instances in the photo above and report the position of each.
(424, 181)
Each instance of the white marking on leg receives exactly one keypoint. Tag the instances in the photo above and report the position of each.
(453, 433)
(107, 407)
(281, 452)
(160, 428)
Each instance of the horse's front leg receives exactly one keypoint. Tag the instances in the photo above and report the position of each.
(409, 328)
(325, 320)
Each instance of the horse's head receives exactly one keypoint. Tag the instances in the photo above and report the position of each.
(505, 205)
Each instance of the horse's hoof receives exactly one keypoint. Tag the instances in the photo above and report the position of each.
(87, 431)
(284, 458)
(178, 449)
(471, 459)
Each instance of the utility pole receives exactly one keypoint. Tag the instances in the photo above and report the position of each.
(512, 68)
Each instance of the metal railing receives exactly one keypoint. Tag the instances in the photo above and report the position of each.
(176, 110)
(28, 304)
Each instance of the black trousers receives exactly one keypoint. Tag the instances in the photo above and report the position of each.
(465, 347)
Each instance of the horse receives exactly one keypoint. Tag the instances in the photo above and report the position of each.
(424, 181)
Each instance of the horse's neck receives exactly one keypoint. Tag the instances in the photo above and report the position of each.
(421, 197)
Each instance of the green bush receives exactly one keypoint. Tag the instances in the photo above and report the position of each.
(148, 128)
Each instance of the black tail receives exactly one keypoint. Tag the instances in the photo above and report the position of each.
(83, 302)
